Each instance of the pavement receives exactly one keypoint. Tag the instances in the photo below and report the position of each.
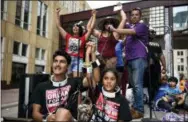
(9, 98)
(9, 102)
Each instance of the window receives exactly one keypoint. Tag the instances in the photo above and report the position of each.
(39, 68)
(156, 19)
(43, 54)
(178, 53)
(40, 54)
(181, 52)
(16, 48)
(182, 68)
(180, 18)
(3, 9)
(42, 19)
(182, 60)
(24, 50)
(178, 67)
(2, 44)
(23, 13)
(20, 49)
(37, 53)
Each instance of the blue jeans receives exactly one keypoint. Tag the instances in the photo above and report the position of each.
(136, 69)
(119, 52)
(74, 65)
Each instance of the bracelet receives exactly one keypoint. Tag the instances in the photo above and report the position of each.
(96, 63)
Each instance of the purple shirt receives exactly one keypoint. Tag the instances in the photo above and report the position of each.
(134, 48)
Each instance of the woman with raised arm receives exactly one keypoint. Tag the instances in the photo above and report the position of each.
(107, 40)
(75, 43)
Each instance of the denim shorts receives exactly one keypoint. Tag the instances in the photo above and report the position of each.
(74, 64)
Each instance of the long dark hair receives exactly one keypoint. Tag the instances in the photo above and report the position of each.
(80, 29)
(103, 29)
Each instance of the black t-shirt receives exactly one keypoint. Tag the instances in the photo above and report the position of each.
(47, 95)
(110, 109)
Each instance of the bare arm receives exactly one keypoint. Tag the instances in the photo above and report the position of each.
(96, 70)
(37, 116)
(90, 28)
(87, 79)
(91, 81)
(89, 23)
(121, 25)
(58, 24)
(163, 62)
(125, 31)
(96, 33)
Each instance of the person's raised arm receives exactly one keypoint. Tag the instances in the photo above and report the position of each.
(121, 24)
(87, 66)
(123, 31)
(93, 65)
(91, 24)
(58, 24)
(96, 70)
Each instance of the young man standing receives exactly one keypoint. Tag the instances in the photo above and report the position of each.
(56, 99)
(136, 56)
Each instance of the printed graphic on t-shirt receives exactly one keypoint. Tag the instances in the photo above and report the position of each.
(73, 45)
(53, 96)
(106, 110)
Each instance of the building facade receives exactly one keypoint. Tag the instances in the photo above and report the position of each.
(73, 6)
(181, 61)
(29, 36)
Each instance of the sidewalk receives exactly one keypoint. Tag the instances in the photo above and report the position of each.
(9, 98)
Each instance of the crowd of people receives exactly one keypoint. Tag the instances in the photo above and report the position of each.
(121, 46)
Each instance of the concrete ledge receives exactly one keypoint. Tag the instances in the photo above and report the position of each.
(9, 105)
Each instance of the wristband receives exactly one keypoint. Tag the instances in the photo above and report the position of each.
(96, 63)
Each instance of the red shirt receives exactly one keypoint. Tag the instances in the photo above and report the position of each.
(72, 45)
(107, 44)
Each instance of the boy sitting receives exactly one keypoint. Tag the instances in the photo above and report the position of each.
(168, 95)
